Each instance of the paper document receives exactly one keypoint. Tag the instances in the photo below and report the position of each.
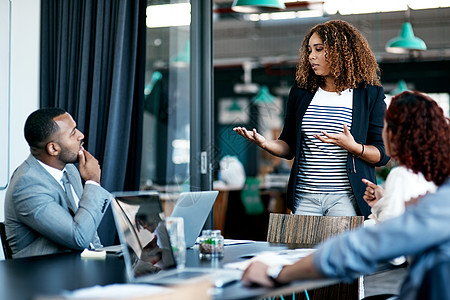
(99, 254)
(116, 291)
(228, 242)
(271, 258)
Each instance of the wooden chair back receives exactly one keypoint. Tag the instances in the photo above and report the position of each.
(6, 249)
(308, 231)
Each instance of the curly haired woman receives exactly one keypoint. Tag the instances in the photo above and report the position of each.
(417, 135)
(333, 123)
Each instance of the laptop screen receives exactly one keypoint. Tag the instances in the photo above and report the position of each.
(194, 208)
(142, 232)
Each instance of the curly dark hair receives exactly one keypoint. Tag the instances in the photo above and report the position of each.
(352, 62)
(421, 135)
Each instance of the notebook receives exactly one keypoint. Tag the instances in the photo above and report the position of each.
(146, 247)
(194, 208)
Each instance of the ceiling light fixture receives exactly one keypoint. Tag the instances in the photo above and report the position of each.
(234, 106)
(406, 41)
(248, 87)
(264, 96)
(168, 15)
(257, 6)
(401, 87)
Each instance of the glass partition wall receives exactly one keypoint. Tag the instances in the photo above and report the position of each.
(177, 139)
(165, 158)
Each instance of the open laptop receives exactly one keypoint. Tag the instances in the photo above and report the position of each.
(146, 247)
(194, 208)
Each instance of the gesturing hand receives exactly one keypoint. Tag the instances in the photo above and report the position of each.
(373, 192)
(256, 274)
(344, 140)
(253, 136)
(89, 167)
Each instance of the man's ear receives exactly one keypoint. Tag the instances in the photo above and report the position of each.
(53, 148)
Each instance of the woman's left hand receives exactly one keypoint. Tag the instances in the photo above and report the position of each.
(344, 140)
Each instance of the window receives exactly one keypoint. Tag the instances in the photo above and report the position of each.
(166, 143)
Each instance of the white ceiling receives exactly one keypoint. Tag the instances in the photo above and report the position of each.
(238, 40)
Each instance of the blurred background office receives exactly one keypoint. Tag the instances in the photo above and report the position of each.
(254, 58)
(209, 68)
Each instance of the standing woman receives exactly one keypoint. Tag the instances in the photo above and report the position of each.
(333, 123)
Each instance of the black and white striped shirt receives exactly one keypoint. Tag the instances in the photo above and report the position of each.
(322, 166)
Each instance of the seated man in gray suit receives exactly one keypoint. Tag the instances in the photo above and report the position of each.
(47, 209)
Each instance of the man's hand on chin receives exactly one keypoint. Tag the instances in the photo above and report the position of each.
(88, 166)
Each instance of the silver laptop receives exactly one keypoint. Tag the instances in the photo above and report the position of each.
(194, 208)
(146, 247)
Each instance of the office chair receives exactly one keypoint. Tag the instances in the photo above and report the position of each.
(6, 249)
(308, 231)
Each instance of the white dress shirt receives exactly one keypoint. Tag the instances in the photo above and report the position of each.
(58, 174)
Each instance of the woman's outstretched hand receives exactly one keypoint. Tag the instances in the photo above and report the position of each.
(253, 136)
(344, 139)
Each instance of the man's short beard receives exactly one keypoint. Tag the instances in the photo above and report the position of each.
(67, 157)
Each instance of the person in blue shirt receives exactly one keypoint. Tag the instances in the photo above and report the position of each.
(421, 233)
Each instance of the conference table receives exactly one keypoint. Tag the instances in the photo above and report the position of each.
(50, 275)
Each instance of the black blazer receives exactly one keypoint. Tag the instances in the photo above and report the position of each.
(367, 124)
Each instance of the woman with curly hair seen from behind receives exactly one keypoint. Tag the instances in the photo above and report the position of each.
(333, 123)
(417, 136)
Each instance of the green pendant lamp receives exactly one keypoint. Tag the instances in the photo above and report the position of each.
(257, 6)
(264, 96)
(406, 41)
(235, 107)
(401, 87)
(184, 56)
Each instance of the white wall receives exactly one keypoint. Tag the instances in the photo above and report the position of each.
(24, 80)
(4, 92)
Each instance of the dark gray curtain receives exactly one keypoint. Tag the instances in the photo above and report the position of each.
(92, 65)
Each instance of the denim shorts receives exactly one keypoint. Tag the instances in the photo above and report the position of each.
(325, 204)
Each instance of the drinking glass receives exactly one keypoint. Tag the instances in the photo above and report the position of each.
(175, 228)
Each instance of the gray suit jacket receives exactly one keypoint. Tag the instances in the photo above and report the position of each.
(37, 218)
